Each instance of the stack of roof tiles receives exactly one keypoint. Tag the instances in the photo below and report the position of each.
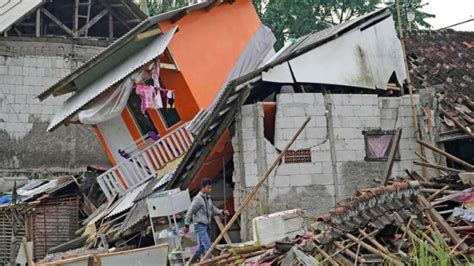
(444, 60)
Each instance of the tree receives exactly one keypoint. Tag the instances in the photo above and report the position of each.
(415, 6)
(154, 7)
(295, 18)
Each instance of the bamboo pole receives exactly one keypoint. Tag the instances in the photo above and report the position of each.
(391, 157)
(447, 155)
(414, 113)
(375, 251)
(435, 166)
(433, 196)
(254, 190)
(423, 158)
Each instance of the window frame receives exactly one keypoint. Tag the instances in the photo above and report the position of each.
(379, 132)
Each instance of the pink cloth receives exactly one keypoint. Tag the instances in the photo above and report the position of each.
(147, 94)
(155, 74)
(378, 145)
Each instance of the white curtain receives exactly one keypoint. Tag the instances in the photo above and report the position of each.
(111, 103)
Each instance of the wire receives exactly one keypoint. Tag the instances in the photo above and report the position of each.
(457, 24)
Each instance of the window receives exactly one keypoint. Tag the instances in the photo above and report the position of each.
(144, 122)
(378, 144)
(298, 156)
(170, 116)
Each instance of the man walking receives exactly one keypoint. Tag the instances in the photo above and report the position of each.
(201, 212)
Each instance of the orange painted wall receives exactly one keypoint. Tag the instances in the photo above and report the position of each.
(209, 43)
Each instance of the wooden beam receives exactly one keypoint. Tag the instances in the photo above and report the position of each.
(442, 223)
(111, 27)
(435, 166)
(447, 155)
(38, 23)
(179, 16)
(459, 125)
(117, 17)
(168, 66)
(391, 156)
(93, 21)
(75, 19)
(149, 33)
(57, 21)
(219, 223)
(255, 189)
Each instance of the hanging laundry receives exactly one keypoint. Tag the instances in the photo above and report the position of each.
(146, 93)
(155, 74)
(170, 96)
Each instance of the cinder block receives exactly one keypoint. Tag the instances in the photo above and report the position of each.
(284, 98)
(285, 122)
(282, 181)
(321, 156)
(319, 121)
(315, 110)
(288, 169)
(3, 69)
(20, 98)
(294, 111)
(303, 98)
(311, 168)
(315, 133)
(322, 179)
(298, 180)
(345, 156)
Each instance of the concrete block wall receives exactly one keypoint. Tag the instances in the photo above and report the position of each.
(27, 68)
(337, 171)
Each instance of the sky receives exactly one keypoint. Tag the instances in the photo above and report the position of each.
(449, 12)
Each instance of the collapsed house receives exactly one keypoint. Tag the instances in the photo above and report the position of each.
(40, 42)
(355, 108)
(441, 69)
(254, 102)
(45, 213)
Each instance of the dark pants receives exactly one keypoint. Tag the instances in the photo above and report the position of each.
(204, 240)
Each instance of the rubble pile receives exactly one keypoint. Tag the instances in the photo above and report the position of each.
(401, 223)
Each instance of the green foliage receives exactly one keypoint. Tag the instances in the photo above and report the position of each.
(295, 18)
(425, 254)
(166, 5)
(413, 6)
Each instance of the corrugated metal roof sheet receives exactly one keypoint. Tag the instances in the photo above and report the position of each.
(126, 201)
(127, 59)
(13, 10)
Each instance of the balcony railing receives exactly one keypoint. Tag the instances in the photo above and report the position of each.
(145, 163)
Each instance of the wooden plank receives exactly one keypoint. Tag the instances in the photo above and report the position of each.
(75, 19)
(38, 23)
(149, 33)
(93, 21)
(391, 156)
(435, 166)
(57, 21)
(111, 27)
(442, 223)
(168, 66)
(221, 227)
(447, 155)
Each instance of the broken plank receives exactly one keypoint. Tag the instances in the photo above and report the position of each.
(441, 222)
(391, 156)
(148, 34)
(219, 223)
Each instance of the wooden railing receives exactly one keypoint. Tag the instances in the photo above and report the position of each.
(145, 163)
